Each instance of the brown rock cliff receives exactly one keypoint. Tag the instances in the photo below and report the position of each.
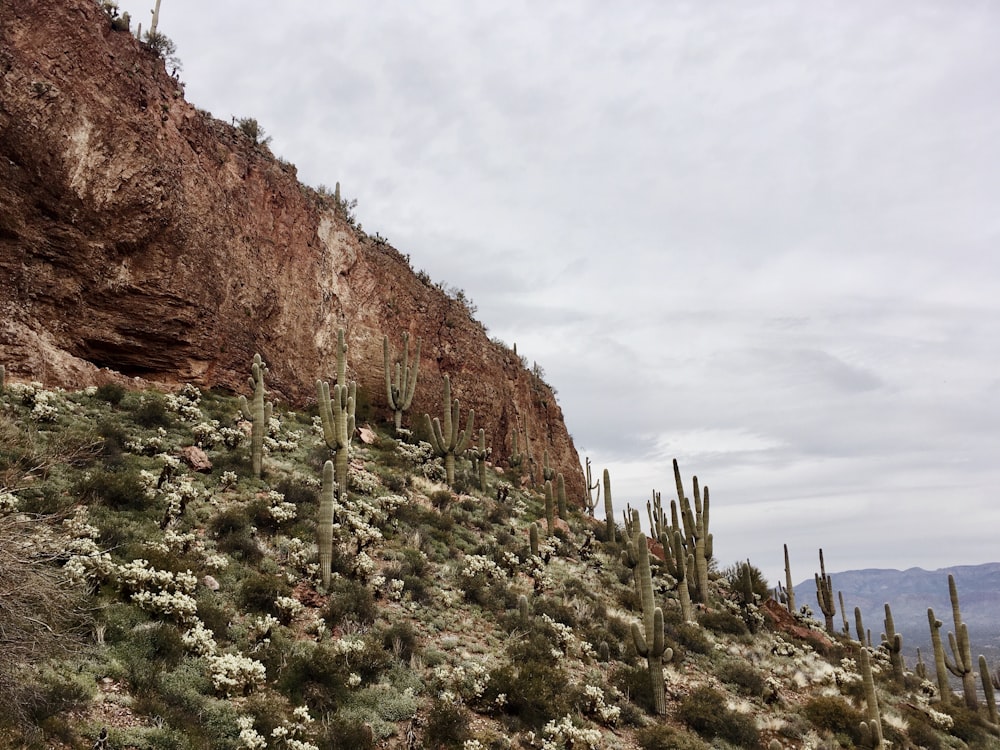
(141, 235)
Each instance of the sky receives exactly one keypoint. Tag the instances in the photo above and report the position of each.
(756, 236)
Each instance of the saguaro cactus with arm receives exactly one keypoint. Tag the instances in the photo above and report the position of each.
(824, 595)
(399, 391)
(959, 642)
(789, 589)
(648, 637)
(696, 533)
(893, 643)
(592, 501)
(258, 413)
(940, 665)
(446, 439)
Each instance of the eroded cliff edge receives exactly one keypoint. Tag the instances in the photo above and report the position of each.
(141, 235)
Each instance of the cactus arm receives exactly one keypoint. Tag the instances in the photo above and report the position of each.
(324, 524)
(609, 508)
(940, 662)
(789, 589)
(989, 694)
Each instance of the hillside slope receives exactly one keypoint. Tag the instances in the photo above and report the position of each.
(141, 235)
(184, 605)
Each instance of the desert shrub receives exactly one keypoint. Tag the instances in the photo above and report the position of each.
(55, 690)
(349, 600)
(920, 731)
(747, 678)
(556, 609)
(722, 621)
(834, 714)
(447, 725)
(114, 437)
(342, 733)
(151, 648)
(704, 710)
(665, 737)
(314, 674)
(534, 682)
(633, 681)
(234, 535)
(401, 639)
(298, 493)
(758, 583)
(119, 488)
(968, 726)
(441, 499)
(112, 393)
(692, 638)
(151, 411)
(259, 591)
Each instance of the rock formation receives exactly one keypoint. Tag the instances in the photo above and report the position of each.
(141, 236)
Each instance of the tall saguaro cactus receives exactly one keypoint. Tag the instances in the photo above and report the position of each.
(324, 524)
(893, 643)
(399, 390)
(789, 589)
(988, 693)
(609, 509)
(697, 537)
(550, 511)
(479, 454)
(591, 501)
(679, 561)
(959, 641)
(871, 730)
(336, 412)
(940, 665)
(446, 439)
(824, 595)
(648, 637)
(258, 413)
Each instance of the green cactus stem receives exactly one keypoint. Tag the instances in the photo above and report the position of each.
(789, 589)
(561, 497)
(550, 510)
(697, 537)
(324, 524)
(592, 484)
(920, 670)
(479, 454)
(336, 413)
(893, 643)
(523, 611)
(991, 699)
(3, 384)
(609, 509)
(399, 390)
(843, 614)
(959, 642)
(604, 652)
(258, 413)
(871, 730)
(648, 636)
(940, 664)
(824, 595)
(678, 560)
(447, 441)
(859, 625)
(533, 539)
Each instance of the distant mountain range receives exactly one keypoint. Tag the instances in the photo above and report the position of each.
(909, 593)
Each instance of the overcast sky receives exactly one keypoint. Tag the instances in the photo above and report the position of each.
(760, 237)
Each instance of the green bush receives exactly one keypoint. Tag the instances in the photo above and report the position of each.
(151, 411)
(692, 638)
(748, 679)
(834, 714)
(112, 393)
(721, 621)
(533, 681)
(120, 488)
(401, 640)
(314, 674)
(343, 733)
(968, 726)
(665, 737)
(349, 600)
(259, 592)
(234, 535)
(447, 725)
(704, 710)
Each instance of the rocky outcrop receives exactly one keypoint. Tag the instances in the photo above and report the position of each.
(140, 236)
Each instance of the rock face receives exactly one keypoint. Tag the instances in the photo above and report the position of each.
(141, 237)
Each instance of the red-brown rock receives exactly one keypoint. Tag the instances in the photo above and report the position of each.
(140, 234)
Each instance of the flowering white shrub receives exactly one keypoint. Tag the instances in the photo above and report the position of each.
(363, 481)
(159, 591)
(595, 705)
(9, 502)
(184, 405)
(476, 565)
(288, 607)
(562, 735)
(199, 640)
(461, 682)
(250, 739)
(279, 509)
(236, 674)
(418, 454)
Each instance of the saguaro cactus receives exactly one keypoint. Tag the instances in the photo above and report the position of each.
(258, 413)
(336, 412)
(479, 454)
(447, 440)
(533, 539)
(991, 699)
(959, 642)
(550, 510)
(648, 637)
(399, 391)
(893, 643)
(609, 509)
(940, 665)
(561, 497)
(697, 537)
(548, 473)
(591, 501)
(871, 730)
(324, 523)
(3, 383)
(678, 560)
(824, 595)
(789, 589)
